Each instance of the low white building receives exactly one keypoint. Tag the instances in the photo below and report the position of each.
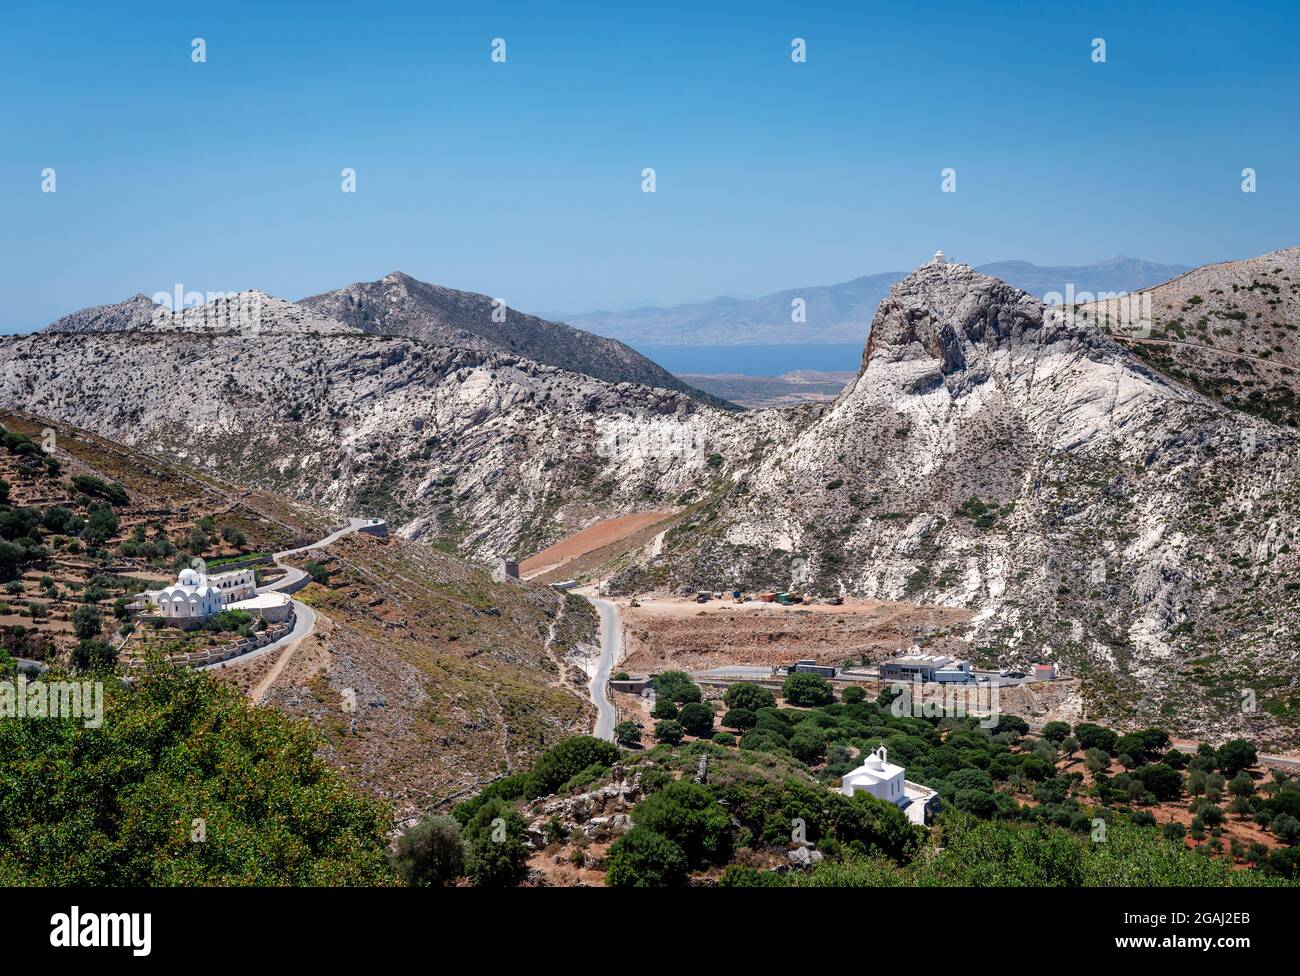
(885, 781)
(240, 584)
(197, 596)
(926, 667)
(877, 776)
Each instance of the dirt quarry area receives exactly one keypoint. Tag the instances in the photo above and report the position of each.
(682, 634)
(564, 557)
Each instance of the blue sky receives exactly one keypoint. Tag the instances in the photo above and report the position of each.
(523, 179)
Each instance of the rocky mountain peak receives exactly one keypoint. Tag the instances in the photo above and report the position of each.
(399, 305)
(135, 312)
(949, 312)
(251, 311)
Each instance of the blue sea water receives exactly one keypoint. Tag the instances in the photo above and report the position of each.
(755, 360)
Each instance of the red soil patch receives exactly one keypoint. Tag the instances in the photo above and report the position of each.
(593, 537)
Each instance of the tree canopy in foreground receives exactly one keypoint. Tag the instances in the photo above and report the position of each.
(185, 783)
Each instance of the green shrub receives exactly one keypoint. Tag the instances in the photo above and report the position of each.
(688, 816)
(748, 696)
(94, 655)
(562, 761)
(1235, 755)
(642, 858)
(676, 686)
(807, 689)
(497, 845)
(174, 746)
(86, 621)
(664, 709)
(668, 732)
(741, 719)
(696, 719)
(430, 853)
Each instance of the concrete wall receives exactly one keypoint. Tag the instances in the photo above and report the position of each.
(294, 587)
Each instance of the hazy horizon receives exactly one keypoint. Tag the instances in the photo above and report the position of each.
(523, 179)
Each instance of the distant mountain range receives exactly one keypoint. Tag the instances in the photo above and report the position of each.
(399, 305)
(843, 312)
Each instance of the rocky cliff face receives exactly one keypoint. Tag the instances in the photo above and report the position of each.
(1014, 460)
(398, 304)
(479, 451)
(992, 454)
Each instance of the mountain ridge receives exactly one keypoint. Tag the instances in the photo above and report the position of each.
(842, 312)
(1017, 460)
(399, 304)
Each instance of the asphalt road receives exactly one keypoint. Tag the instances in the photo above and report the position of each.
(304, 621)
(610, 637)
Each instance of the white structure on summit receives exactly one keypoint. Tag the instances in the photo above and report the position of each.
(883, 780)
(197, 596)
(938, 258)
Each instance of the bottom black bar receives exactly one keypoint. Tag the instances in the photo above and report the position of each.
(141, 927)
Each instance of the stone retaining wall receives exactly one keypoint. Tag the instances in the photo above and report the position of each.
(238, 564)
(292, 588)
(226, 652)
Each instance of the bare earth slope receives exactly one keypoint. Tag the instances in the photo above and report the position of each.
(1231, 331)
(457, 680)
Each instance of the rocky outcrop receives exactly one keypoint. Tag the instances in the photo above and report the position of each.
(399, 305)
(599, 814)
(134, 313)
(1015, 460)
(479, 451)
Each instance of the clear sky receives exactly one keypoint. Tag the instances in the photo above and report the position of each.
(523, 179)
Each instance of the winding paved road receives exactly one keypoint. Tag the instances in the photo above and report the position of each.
(304, 621)
(610, 638)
